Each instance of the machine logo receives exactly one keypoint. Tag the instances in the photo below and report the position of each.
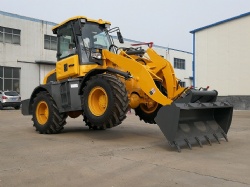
(152, 91)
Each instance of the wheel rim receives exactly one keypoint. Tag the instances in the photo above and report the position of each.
(42, 112)
(149, 110)
(98, 101)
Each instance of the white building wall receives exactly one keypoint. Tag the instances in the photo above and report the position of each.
(29, 79)
(31, 49)
(222, 57)
(185, 75)
(32, 41)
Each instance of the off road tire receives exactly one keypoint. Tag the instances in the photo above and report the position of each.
(115, 100)
(147, 117)
(54, 121)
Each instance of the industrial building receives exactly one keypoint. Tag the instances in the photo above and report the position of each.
(28, 53)
(221, 59)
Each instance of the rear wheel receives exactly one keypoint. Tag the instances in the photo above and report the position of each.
(146, 113)
(46, 116)
(1, 106)
(105, 102)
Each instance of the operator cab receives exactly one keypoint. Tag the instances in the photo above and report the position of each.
(80, 41)
(83, 37)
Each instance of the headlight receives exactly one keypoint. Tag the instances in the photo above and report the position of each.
(96, 55)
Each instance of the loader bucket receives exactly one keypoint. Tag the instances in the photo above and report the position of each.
(194, 123)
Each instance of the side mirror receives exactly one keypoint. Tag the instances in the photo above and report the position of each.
(120, 38)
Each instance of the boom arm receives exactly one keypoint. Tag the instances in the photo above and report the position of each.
(143, 76)
(161, 64)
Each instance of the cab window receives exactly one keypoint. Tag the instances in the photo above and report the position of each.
(67, 45)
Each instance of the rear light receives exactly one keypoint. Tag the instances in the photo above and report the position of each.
(4, 97)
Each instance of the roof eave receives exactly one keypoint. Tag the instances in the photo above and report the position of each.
(100, 21)
(220, 22)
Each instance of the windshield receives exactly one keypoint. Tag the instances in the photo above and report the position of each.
(95, 36)
(11, 93)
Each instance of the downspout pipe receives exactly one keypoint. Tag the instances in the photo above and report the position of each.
(193, 59)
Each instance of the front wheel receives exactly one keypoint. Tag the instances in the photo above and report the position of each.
(105, 102)
(46, 116)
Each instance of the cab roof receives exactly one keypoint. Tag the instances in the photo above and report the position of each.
(100, 21)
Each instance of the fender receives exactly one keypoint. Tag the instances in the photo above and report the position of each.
(27, 104)
(94, 72)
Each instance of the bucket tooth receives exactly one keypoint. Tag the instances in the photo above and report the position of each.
(199, 142)
(189, 145)
(224, 135)
(216, 137)
(208, 140)
(177, 146)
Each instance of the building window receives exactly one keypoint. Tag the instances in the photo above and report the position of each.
(179, 63)
(9, 35)
(182, 84)
(9, 78)
(50, 42)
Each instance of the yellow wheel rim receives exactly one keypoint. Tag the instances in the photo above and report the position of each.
(98, 101)
(148, 110)
(42, 112)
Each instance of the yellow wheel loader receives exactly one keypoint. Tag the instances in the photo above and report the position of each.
(96, 79)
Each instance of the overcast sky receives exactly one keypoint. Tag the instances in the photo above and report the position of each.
(164, 22)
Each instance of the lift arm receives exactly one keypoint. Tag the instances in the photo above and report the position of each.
(139, 74)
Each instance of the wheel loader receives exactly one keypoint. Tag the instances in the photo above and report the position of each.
(100, 81)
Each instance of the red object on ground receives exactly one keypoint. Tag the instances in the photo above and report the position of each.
(150, 44)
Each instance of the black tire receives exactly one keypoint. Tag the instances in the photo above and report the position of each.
(17, 107)
(1, 106)
(146, 114)
(54, 122)
(116, 102)
(147, 117)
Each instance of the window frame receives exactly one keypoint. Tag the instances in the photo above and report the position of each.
(182, 84)
(50, 39)
(10, 35)
(179, 63)
(13, 79)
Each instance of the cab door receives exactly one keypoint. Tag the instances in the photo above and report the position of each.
(67, 65)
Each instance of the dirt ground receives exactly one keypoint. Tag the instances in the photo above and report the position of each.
(132, 154)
